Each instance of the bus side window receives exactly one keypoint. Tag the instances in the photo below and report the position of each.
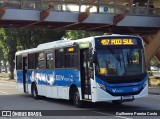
(19, 62)
(31, 61)
(71, 57)
(59, 58)
(41, 64)
(71, 60)
(49, 61)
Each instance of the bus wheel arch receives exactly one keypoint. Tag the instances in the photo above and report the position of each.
(34, 91)
(76, 100)
(74, 95)
(72, 89)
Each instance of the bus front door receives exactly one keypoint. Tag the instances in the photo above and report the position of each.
(24, 66)
(85, 79)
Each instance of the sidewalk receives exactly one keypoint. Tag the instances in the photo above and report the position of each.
(154, 90)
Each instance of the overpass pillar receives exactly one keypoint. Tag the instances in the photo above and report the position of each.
(2, 11)
(152, 48)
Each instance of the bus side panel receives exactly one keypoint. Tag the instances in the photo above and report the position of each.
(51, 91)
(53, 84)
(63, 79)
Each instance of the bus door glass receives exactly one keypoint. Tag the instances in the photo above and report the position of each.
(24, 67)
(85, 79)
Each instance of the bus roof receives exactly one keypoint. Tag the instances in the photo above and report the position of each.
(27, 51)
(62, 43)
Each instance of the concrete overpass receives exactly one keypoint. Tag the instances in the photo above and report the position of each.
(73, 15)
(112, 16)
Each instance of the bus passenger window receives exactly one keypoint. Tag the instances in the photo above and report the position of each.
(59, 58)
(40, 60)
(49, 59)
(31, 61)
(19, 62)
(71, 60)
(71, 57)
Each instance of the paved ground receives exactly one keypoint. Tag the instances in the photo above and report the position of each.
(154, 90)
(11, 99)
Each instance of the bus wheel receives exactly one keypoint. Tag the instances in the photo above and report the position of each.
(76, 99)
(35, 92)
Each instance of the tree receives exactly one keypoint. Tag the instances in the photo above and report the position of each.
(31, 38)
(73, 35)
(154, 62)
(19, 39)
(4, 49)
(1, 57)
(9, 44)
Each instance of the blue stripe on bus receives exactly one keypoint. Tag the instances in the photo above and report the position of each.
(98, 80)
(122, 87)
(50, 77)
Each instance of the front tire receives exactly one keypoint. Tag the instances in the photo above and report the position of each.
(76, 100)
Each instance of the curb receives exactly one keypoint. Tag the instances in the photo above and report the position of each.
(154, 93)
(154, 90)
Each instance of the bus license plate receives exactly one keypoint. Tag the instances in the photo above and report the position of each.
(130, 97)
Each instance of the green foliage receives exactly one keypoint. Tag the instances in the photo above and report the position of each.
(4, 49)
(1, 54)
(32, 38)
(12, 40)
(154, 62)
(73, 35)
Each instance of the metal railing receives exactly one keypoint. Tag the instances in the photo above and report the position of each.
(78, 6)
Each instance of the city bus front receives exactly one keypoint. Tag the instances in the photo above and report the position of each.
(120, 72)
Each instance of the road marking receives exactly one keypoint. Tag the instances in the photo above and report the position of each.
(3, 92)
(111, 115)
(123, 117)
(103, 113)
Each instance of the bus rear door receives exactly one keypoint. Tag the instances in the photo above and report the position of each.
(24, 68)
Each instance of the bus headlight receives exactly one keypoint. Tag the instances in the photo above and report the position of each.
(102, 86)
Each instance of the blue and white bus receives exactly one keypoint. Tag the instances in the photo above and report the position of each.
(95, 69)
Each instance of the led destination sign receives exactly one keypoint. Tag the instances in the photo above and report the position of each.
(116, 41)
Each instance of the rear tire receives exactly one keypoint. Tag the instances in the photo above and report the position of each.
(35, 92)
(76, 99)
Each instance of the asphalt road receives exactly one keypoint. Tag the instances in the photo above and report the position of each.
(12, 99)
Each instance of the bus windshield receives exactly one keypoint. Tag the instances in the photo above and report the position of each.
(120, 61)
